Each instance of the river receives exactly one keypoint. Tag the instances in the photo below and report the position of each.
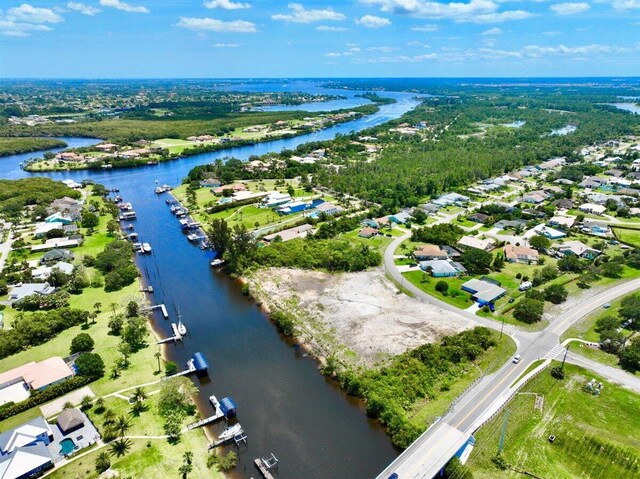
(284, 404)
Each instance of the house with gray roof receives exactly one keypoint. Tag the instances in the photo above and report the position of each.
(27, 289)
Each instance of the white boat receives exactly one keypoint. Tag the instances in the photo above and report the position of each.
(192, 237)
(159, 190)
(130, 226)
(230, 432)
(182, 329)
(214, 402)
(146, 248)
(216, 263)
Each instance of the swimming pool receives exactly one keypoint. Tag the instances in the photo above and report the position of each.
(67, 446)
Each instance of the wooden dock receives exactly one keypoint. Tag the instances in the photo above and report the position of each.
(176, 335)
(263, 467)
(207, 420)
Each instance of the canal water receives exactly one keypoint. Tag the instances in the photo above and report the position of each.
(284, 404)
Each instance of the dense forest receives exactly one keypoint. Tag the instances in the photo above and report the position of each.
(16, 194)
(14, 146)
(412, 167)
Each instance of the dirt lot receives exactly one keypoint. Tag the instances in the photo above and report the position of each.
(360, 317)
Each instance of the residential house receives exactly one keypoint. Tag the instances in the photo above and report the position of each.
(289, 234)
(514, 224)
(382, 222)
(520, 254)
(451, 199)
(106, 147)
(478, 218)
(70, 420)
(430, 252)
(552, 163)
(367, 232)
(533, 198)
(27, 289)
(577, 248)
(563, 181)
(483, 291)
(23, 450)
(592, 208)
(275, 198)
(595, 227)
(69, 207)
(546, 231)
(233, 187)
(439, 268)
(37, 376)
(370, 223)
(43, 272)
(451, 251)
(563, 204)
(57, 243)
(473, 242)
(328, 208)
(292, 207)
(564, 222)
(400, 218)
(56, 255)
(59, 218)
(210, 183)
(42, 229)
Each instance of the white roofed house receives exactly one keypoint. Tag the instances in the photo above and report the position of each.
(592, 208)
(520, 254)
(27, 289)
(23, 450)
(577, 248)
(473, 242)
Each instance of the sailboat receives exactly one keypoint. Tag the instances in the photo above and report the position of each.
(182, 329)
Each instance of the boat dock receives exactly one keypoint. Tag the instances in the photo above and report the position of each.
(148, 289)
(162, 308)
(176, 335)
(237, 436)
(205, 421)
(265, 464)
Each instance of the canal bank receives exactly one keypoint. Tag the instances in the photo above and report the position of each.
(284, 405)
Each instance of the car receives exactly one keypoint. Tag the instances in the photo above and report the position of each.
(606, 305)
(511, 300)
(516, 359)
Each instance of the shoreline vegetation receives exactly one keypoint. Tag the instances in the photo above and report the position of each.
(170, 138)
(16, 145)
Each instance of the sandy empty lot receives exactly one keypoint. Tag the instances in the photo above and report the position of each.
(356, 312)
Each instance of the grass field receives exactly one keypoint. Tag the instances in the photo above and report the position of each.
(596, 436)
(630, 237)
(426, 283)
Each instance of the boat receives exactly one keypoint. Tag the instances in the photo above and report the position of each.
(230, 432)
(159, 190)
(137, 246)
(214, 402)
(130, 226)
(184, 223)
(166, 187)
(193, 237)
(132, 236)
(216, 263)
(146, 248)
(182, 329)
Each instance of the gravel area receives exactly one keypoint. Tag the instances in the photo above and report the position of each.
(361, 313)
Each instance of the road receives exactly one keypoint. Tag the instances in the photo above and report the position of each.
(435, 447)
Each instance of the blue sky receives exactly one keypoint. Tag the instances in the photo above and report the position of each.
(260, 38)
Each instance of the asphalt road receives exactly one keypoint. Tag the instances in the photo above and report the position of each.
(432, 450)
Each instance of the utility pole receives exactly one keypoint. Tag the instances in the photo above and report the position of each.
(504, 430)
(566, 351)
(501, 328)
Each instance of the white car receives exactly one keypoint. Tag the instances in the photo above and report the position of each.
(516, 359)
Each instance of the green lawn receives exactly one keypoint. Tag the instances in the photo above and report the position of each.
(631, 237)
(426, 283)
(596, 437)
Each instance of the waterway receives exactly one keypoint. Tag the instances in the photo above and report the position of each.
(284, 404)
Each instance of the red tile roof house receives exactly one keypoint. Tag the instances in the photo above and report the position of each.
(520, 254)
(429, 252)
(233, 187)
(38, 375)
(367, 232)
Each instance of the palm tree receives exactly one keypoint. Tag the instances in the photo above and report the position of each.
(122, 425)
(139, 394)
(67, 405)
(103, 462)
(187, 467)
(97, 305)
(113, 308)
(158, 356)
(120, 447)
(109, 417)
(99, 405)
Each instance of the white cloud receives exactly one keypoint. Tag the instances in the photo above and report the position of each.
(493, 31)
(125, 7)
(29, 14)
(476, 11)
(301, 15)
(500, 17)
(226, 4)
(215, 25)
(426, 28)
(84, 9)
(227, 45)
(382, 49)
(552, 33)
(17, 29)
(327, 28)
(622, 5)
(332, 55)
(569, 8)
(371, 21)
